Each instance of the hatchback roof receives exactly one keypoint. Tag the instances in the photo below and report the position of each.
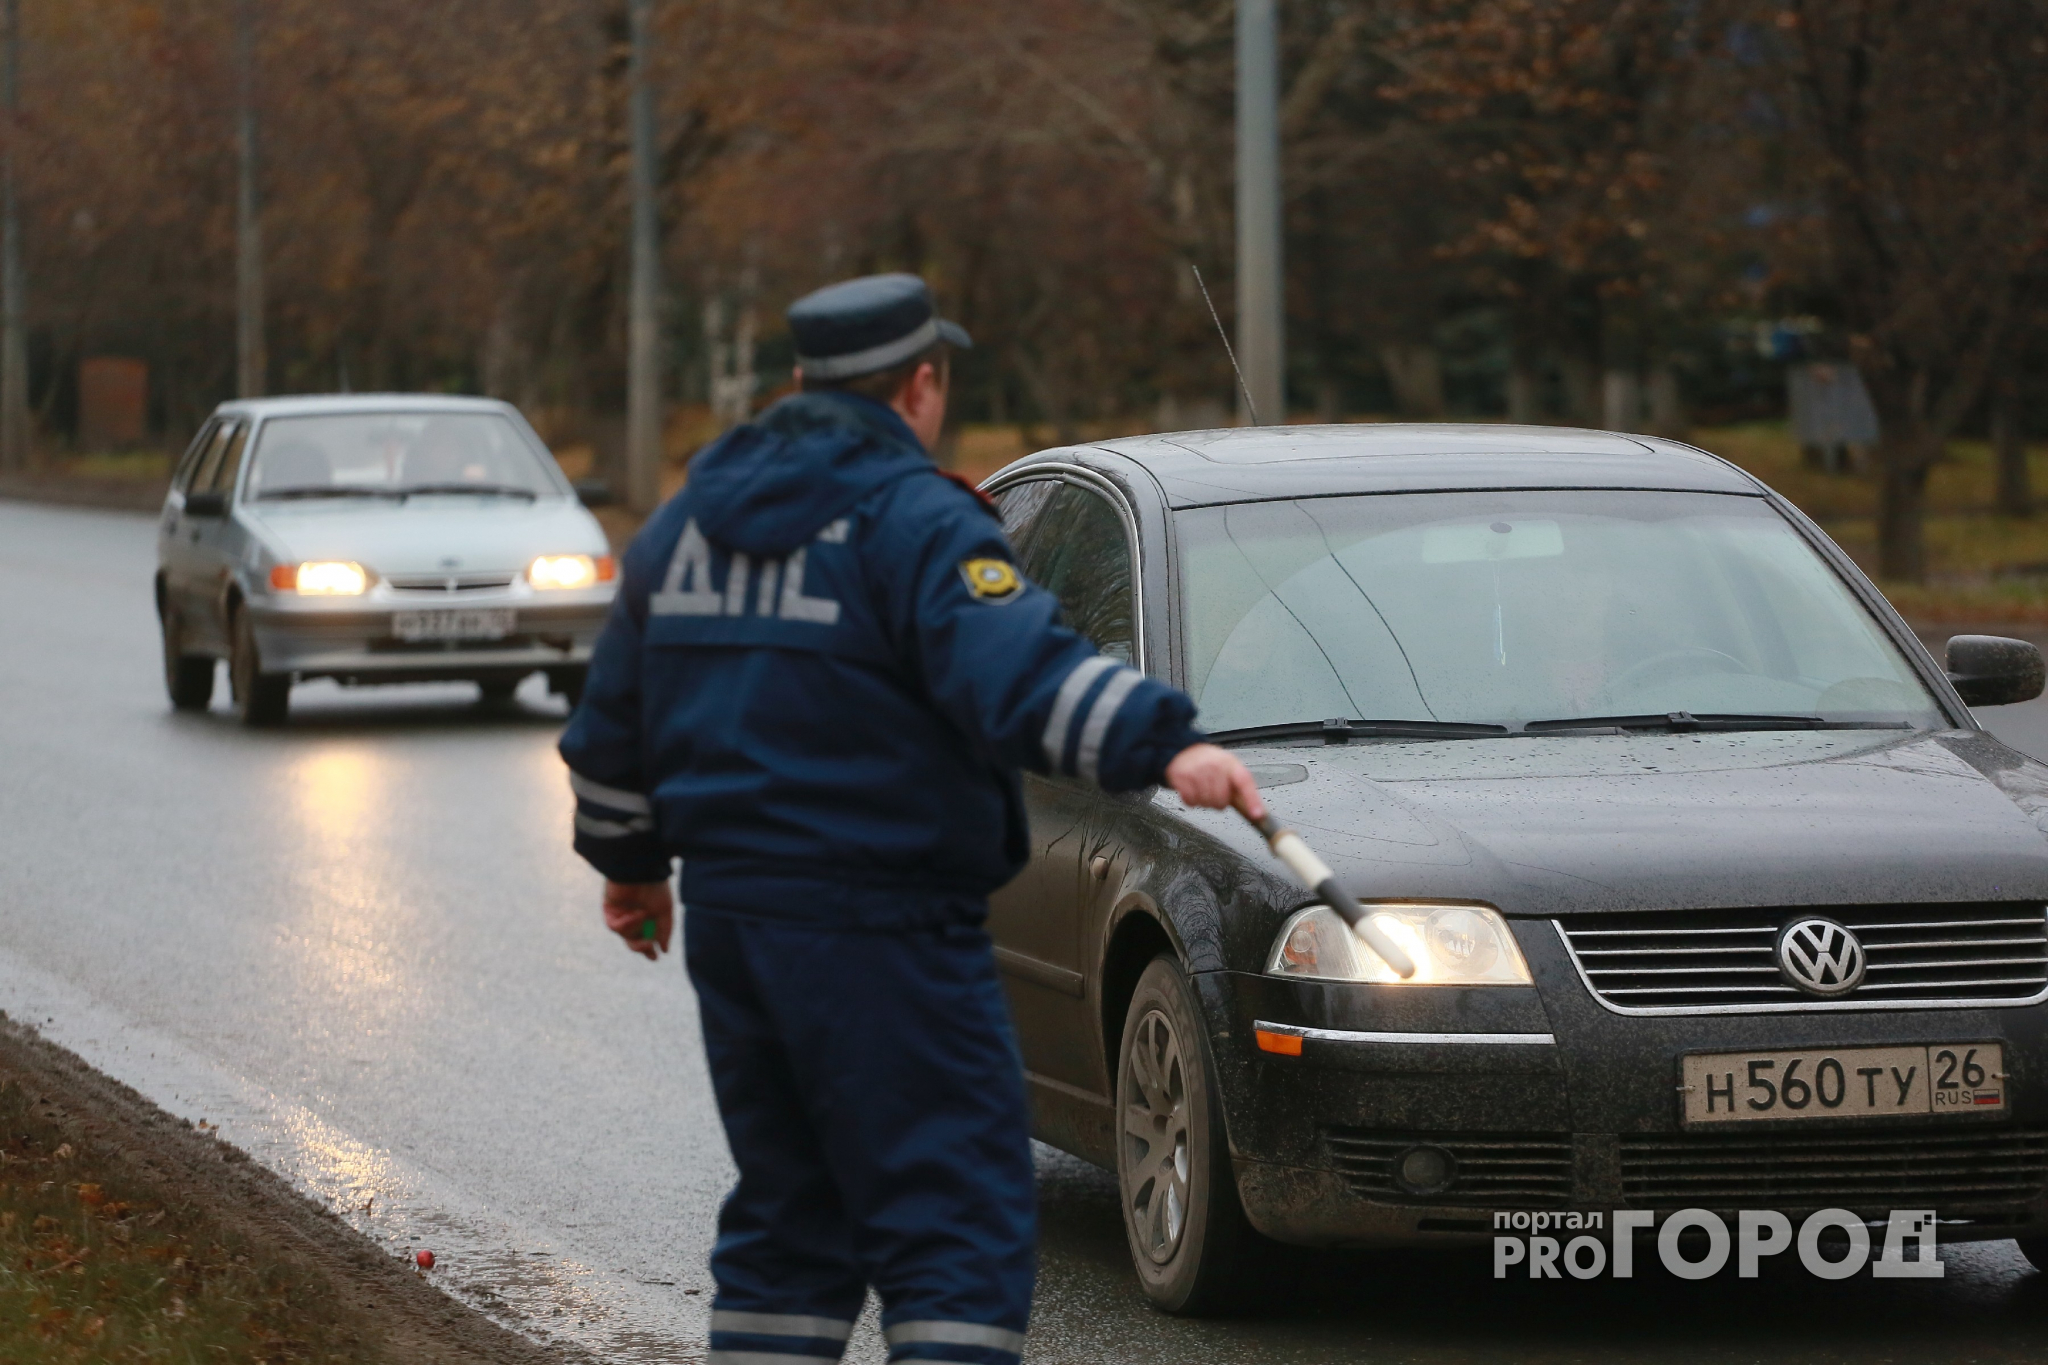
(1241, 464)
(310, 404)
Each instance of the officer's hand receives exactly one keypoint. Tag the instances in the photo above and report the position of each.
(642, 913)
(1205, 775)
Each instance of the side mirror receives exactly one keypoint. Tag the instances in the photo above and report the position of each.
(1989, 670)
(593, 492)
(209, 504)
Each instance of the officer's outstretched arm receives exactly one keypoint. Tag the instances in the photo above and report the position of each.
(998, 661)
(615, 824)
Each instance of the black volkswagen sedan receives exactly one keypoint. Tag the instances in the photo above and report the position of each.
(1719, 897)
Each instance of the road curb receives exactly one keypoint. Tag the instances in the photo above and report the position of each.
(70, 490)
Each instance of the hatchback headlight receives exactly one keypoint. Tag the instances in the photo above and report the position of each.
(322, 578)
(570, 571)
(1452, 945)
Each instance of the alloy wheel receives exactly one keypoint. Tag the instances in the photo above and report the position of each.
(1155, 1166)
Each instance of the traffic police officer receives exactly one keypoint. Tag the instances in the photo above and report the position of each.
(817, 686)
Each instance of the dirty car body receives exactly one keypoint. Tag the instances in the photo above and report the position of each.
(375, 539)
(1607, 697)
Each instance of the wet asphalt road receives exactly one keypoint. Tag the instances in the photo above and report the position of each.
(362, 948)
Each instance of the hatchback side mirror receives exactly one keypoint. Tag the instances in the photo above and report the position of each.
(1989, 670)
(207, 504)
(593, 492)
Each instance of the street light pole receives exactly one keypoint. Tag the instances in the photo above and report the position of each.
(1261, 319)
(252, 359)
(643, 326)
(14, 416)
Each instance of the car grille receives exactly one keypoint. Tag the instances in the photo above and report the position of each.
(1688, 961)
(1800, 1170)
(442, 584)
(1507, 1168)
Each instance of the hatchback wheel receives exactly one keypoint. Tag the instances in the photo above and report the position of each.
(260, 698)
(187, 677)
(1187, 1231)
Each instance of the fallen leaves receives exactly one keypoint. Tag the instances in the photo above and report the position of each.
(92, 1270)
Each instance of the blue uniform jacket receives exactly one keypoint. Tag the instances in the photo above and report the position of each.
(821, 677)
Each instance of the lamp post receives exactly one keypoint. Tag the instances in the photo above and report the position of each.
(643, 325)
(14, 417)
(1261, 317)
(252, 359)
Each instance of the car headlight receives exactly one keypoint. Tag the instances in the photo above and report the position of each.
(570, 571)
(1453, 945)
(321, 578)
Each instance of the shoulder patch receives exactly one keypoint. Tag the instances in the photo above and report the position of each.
(991, 580)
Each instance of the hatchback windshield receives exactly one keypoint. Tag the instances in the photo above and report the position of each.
(396, 452)
(1520, 607)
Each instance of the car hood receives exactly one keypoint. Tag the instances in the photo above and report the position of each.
(422, 534)
(1550, 825)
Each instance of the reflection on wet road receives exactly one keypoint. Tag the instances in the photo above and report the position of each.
(363, 947)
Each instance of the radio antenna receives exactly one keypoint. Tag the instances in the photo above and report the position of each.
(1242, 387)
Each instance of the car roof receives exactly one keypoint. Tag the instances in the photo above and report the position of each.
(314, 404)
(1244, 464)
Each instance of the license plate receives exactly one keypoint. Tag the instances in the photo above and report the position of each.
(1843, 1082)
(476, 623)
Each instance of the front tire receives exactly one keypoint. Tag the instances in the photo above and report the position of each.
(1186, 1229)
(187, 677)
(261, 699)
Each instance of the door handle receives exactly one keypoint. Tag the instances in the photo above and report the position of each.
(1098, 866)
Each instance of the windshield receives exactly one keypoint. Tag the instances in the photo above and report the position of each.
(396, 452)
(1518, 607)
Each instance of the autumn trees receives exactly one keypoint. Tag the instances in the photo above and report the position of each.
(1920, 132)
(1544, 209)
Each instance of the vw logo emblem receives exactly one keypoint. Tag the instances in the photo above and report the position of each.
(1820, 957)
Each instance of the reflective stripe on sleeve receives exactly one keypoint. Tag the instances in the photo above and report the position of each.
(956, 1334)
(611, 829)
(611, 798)
(1066, 703)
(1099, 717)
(781, 1325)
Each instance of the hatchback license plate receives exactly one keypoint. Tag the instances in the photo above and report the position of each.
(1843, 1082)
(476, 623)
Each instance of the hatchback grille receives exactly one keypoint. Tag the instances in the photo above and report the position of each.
(1507, 1168)
(1686, 961)
(1812, 1170)
(443, 584)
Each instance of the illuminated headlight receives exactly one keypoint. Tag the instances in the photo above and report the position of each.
(321, 578)
(1453, 945)
(570, 571)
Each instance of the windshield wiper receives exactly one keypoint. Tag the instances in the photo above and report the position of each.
(1340, 731)
(324, 490)
(1682, 722)
(504, 490)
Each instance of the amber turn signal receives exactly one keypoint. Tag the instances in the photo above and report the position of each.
(1285, 1044)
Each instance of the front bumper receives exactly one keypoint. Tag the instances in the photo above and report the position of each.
(356, 640)
(1589, 1120)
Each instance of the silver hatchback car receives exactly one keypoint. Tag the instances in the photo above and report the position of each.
(374, 539)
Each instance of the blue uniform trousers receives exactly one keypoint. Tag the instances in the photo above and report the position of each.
(873, 1097)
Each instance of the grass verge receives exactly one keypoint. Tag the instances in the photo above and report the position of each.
(129, 1236)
